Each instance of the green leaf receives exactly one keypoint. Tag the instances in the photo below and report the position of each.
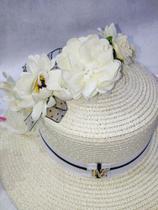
(109, 38)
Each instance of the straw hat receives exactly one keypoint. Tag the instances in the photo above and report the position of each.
(117, 130)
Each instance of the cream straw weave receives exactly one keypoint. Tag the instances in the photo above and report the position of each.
(109, 128)
(34, 181)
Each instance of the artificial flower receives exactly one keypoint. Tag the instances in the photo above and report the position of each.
(88, 66)
(33, 83)
(122, 48)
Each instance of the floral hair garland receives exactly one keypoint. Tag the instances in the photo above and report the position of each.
(86, 66)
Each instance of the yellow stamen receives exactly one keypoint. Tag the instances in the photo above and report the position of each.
(41, 77)
(39, 83)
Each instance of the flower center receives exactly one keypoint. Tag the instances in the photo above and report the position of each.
(40, 83)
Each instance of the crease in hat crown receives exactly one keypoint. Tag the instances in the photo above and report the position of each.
(92, 100)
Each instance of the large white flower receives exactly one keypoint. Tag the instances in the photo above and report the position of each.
(34, 84)
(123, 49)
(88, 66)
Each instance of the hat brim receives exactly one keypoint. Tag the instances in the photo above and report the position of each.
(34, 180)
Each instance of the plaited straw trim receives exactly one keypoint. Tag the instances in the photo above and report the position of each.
(34, 180)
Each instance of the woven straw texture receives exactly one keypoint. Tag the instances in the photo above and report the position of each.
(109, 128)
(34, 181)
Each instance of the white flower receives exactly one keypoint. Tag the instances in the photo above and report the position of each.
(33, 84)
(88, 66)
(123, 49)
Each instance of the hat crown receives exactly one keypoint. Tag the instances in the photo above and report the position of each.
(110, 128)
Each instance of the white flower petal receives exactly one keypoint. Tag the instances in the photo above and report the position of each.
(74, 83)
(51, 102)
(63, 94)
(25, 102)
(89, 88)
(123, 49)
(85, 48)
(54, 80)
(8, 78)
(110, 71)
(43, 94)
(44, 111)
(105, 58)
(24, 83)
(31, 64)
(110, 31)
(37, 110)
(105, 87)
(38, 63)
(63, 62)
(44, 63)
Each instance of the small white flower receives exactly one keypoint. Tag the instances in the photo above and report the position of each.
(123, 49)
(109, 31)
(88, 66)
(35, 84)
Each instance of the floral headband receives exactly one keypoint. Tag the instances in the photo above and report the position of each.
(86, 66)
